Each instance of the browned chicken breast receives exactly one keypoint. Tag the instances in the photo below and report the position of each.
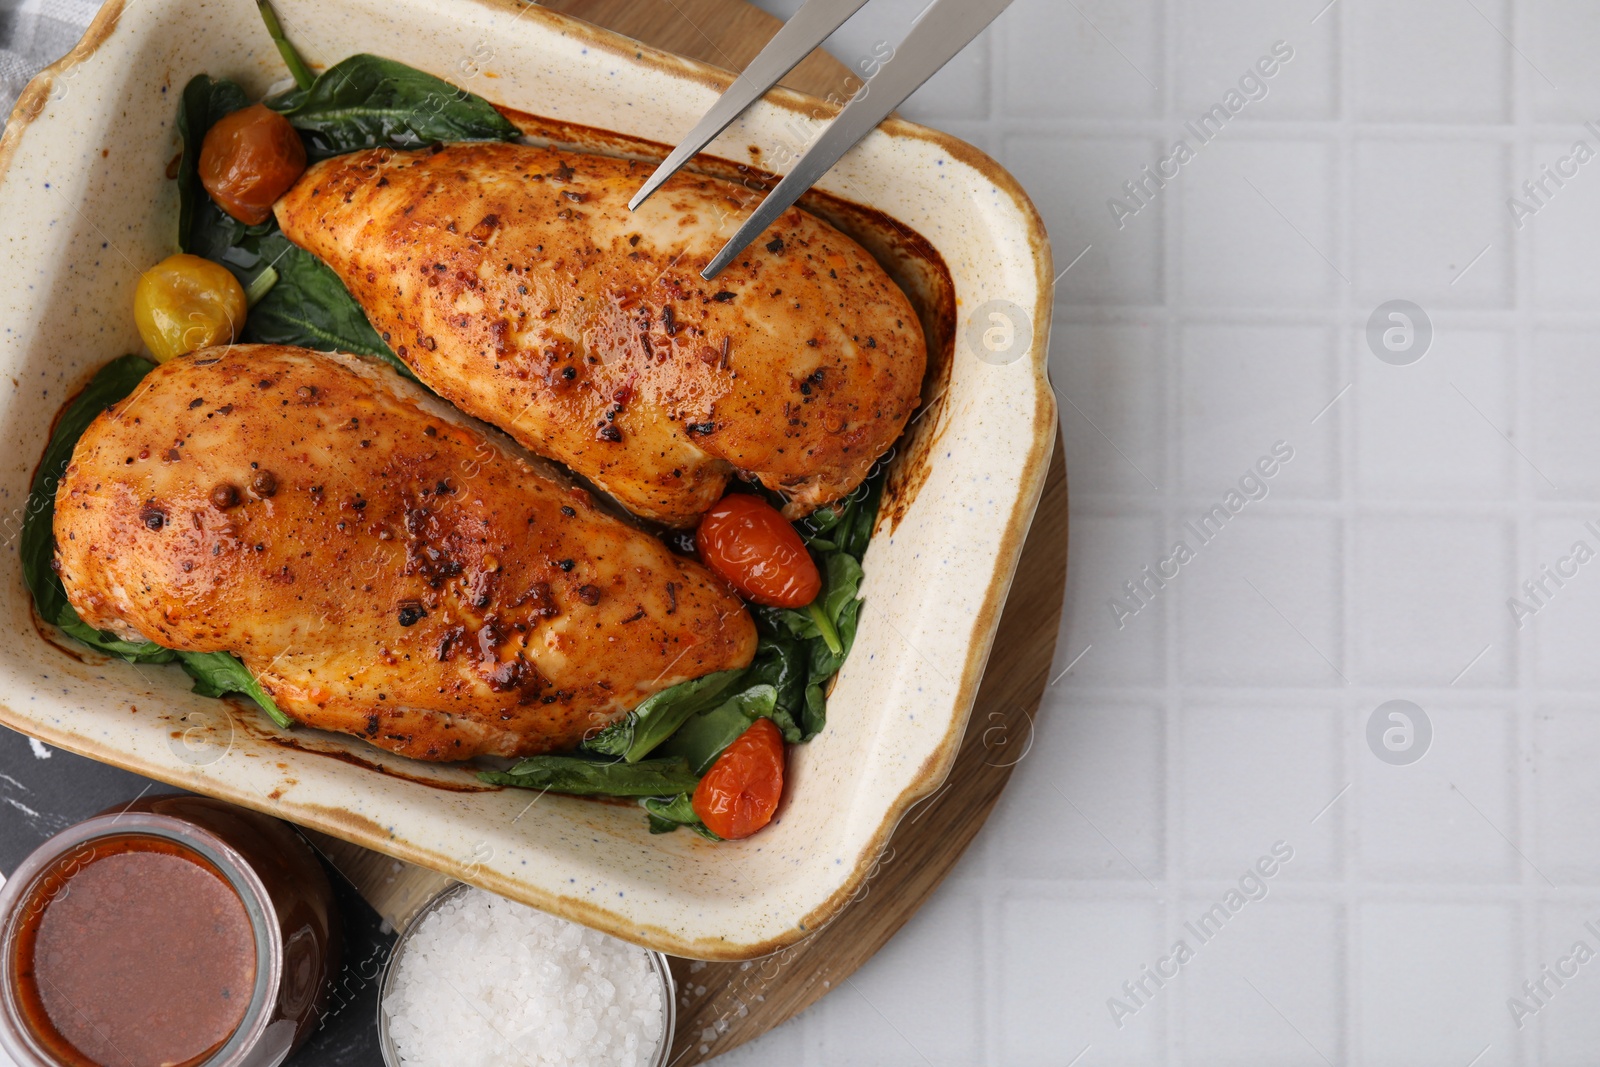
(381, 565)
(517, 285)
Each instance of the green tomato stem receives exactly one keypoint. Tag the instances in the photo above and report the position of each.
(297, 66)
(260, 287)
(830, 635)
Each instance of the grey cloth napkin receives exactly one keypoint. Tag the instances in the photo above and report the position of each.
(34, 34)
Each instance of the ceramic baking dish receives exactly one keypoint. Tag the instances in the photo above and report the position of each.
(84, 205)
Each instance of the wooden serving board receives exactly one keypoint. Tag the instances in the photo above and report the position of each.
(723, 1005)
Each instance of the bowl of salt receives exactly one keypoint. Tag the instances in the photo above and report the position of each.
(477, 980)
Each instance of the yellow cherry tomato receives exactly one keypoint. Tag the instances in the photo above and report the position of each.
(186, 302)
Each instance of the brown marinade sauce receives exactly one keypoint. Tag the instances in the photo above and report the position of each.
(134, 951)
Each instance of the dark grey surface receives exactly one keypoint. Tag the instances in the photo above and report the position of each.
(40, 797)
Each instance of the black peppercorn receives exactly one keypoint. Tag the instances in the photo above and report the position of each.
(264, 484)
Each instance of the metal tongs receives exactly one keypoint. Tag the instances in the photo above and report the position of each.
(943, 29)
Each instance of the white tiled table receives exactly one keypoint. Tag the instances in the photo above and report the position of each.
(1231, 712)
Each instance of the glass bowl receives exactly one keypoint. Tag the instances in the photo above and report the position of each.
(391, 1057)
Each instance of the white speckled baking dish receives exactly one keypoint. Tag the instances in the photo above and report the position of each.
(84, 205)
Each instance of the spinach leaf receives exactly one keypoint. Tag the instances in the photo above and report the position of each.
(781, 662)
(841, 578)
(822, 529)
(814, 716)
(864, 517)
(784, 622)
(217, 673)
(204, 101)
(846, 525)
(659, 717)
(309, 306)
(669, 813)
(220, 237)
(299, 299)
(839, 599)
(109, 643)
(794, 657)
(704, 737)
(825, 663)
(581, 777)
(367, 101)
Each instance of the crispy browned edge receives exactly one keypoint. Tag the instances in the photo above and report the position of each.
(366, 832)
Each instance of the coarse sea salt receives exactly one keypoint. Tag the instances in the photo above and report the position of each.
(487, 982)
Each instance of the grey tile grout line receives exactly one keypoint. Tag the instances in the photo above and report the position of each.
(1110, 505)
(1361, 698)
(1468, 316)
(1346, 426)
(1171, 221)
(1328, 890)
(991, 931)
(1515, 73)
(1517, 155)
(1255, 129)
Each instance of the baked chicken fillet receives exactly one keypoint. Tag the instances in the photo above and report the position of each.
(516, 283)
(383, 566)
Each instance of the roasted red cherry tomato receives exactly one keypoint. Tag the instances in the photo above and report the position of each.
(741, 790)
(745, 540)
(249, 158)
